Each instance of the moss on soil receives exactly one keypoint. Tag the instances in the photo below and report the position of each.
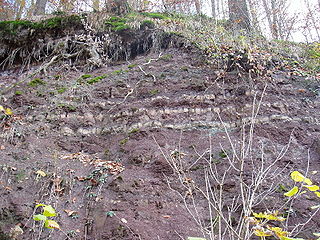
(13, 27)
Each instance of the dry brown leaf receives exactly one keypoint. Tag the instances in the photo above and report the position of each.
(70, 212)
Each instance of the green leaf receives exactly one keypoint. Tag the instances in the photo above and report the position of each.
(195, 238)
(39, 217)
(317, 234)
(292, 192)
(49, 211)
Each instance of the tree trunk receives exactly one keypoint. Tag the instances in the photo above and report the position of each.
(198, 6)
(40, 7)
(213, 8)
(239, 15)
(275, 26)
(118, 7)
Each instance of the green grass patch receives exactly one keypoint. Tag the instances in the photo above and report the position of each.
(12, 27)
(18, 93)
(96, 79)
(36, 82)
(117, 24)
(86, 76)
(62, 90)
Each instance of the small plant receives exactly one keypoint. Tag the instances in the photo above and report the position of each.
(86, 76)
(134, 130)
(154, 92)
(62, 90)
(130, 66)
(47, 212)
(166, 57)
(96, 79)
(18, 93)
(124, 141)
(36, 82)
(117, 24)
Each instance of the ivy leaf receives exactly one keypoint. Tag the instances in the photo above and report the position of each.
(298, 177)
(49, 211)
(51, 224)
(292, 192)
(39, 217)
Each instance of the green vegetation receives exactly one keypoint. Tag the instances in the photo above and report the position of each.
(134, 130)
(154, 92)
(96, 79)
(166, 57)
(117, 72)
(12, 27)
(62, 90)
(124, 141)
(117, 24)
(36, 82)
(47, 212)
(86, 76)
(67, 107)
(18, 93)
(130, 66)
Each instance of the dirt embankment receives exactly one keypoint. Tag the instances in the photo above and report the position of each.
(103, 136)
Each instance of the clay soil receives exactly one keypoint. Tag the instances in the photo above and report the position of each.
(105, 146)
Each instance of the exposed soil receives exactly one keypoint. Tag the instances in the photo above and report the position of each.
(135, 118)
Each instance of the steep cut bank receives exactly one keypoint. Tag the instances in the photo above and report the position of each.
(102, 124)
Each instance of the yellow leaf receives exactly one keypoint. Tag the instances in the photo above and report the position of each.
(315, 207)
(289, 238)
(298, 177)
(269, 216)
(51, 224)
(292, 192)
(317, 193)
(1, 108)
(8, 111)
(41, 173)
(278, 231)
(312, 188)
(262, 233)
